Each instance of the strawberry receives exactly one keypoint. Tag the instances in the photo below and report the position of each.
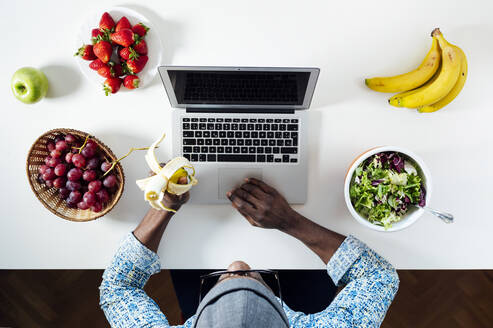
(96, 64)
(97, 35)
(140, 29)
(124, 53)
(122, 23)
(140, 46)
(128, 53)
(103, 50)
(117, 70)
(111, 85)
(124, 37)
(86, 52)
(131, 81)
(106, 22)
(136, 65)
(110, 70)
(105, 71)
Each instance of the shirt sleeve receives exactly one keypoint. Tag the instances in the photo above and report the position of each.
(370, 286)
(122, 296)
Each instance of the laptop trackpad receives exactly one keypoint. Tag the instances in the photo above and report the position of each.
(230, 178)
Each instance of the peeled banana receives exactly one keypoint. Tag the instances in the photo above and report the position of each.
(424, 91)
(166, 178)
(412, 79)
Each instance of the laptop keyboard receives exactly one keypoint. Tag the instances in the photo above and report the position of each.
(240, 140)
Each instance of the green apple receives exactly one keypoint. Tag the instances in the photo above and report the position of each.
(29, 85)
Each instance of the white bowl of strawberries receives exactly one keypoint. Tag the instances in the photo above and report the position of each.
(119, 47)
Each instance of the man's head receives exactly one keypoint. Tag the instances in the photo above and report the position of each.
(239, 266)
(240, 300)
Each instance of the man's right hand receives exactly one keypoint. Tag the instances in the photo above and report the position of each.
(263, 206)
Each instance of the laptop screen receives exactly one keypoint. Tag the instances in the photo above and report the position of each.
(239, 87)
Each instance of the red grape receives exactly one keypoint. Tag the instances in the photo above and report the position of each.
(105, 166)
(72, 185)
(61, 145)
(109, 181)
(68, 158)
(60, 169)
(97, 207)
(43, 168)
(74, 174)
(49, 174)
(50, 146)
(49, 183)
(88, 152)
(56, 153)
(70, 138)
(74, 197)
(90, 198)
(59, 182)
(94, 186)
(47, 160)
(71, 204)
(52, 162)
(91, 144)
(79, 160)
(103, 196)
(63, 192)
(82, 205)
(89, 175)
(59, 137)
(92, 163)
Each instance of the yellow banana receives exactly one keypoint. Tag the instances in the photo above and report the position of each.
(449, 74)
(394, 100)
(455, 90)
(410, 80)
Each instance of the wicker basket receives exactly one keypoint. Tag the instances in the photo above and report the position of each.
(49, 196)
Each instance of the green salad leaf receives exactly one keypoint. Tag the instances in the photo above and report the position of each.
(384, 186)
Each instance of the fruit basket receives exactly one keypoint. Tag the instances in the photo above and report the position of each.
(51, 197)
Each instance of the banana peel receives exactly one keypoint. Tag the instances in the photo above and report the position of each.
(166, 178)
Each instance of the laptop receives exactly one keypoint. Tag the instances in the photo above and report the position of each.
(239, 122)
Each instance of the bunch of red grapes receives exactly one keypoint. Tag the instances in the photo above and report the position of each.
(78, 174)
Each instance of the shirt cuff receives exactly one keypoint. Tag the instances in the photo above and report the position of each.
(343, 259)
(133, 251)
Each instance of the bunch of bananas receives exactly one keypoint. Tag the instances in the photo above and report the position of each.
(431, 86)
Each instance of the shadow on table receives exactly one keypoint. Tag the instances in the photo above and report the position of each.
(63, 80)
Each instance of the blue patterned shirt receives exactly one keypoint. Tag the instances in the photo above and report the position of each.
(370, 286)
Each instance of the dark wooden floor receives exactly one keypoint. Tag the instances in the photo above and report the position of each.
(69, 298)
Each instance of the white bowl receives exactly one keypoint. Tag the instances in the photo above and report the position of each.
(154, 46)
(413, 214)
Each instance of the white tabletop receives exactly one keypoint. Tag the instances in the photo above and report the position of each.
(348, 40)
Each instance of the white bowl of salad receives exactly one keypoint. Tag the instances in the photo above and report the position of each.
(382, 186)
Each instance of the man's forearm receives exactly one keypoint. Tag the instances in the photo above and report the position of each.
(150, 230)
(319, 239)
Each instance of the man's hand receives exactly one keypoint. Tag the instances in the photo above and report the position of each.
(263, 206)
(174, 201)
(150, 230)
